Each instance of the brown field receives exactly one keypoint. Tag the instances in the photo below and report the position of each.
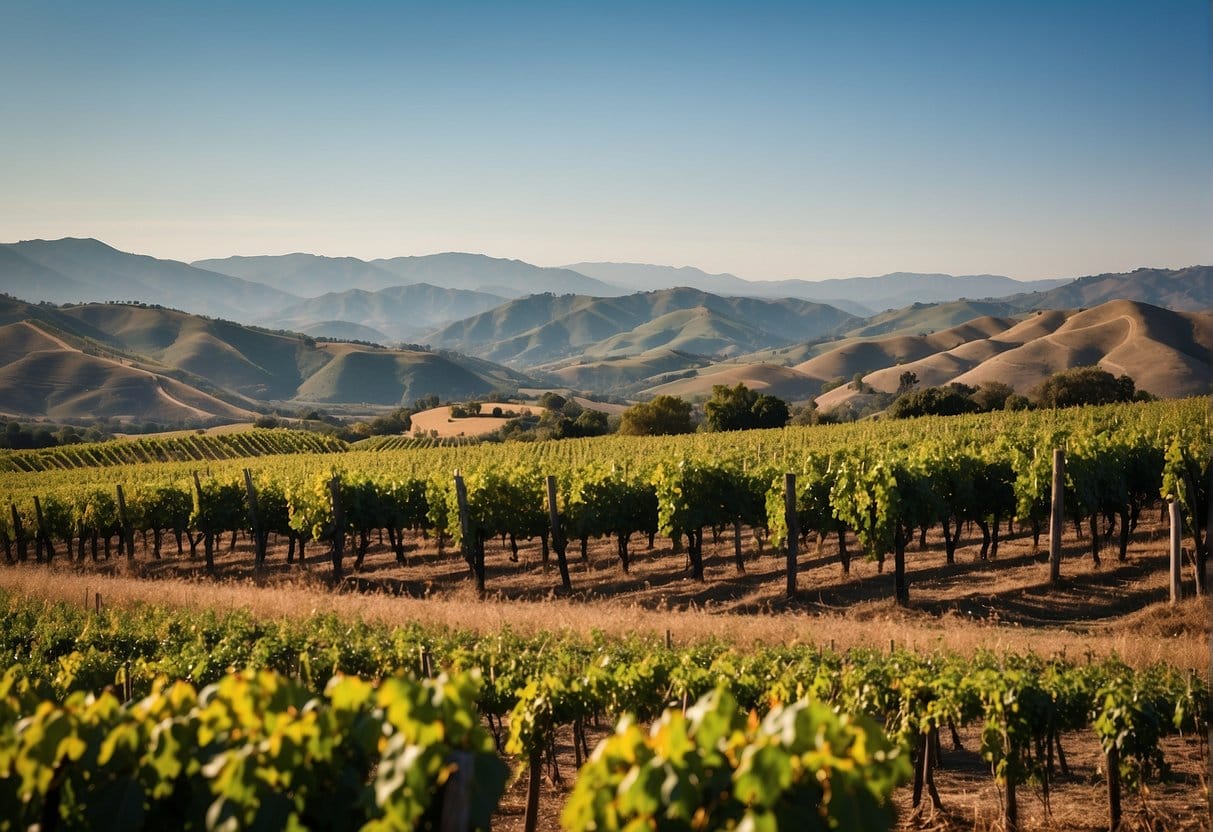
(439, 419)
(1001, 604)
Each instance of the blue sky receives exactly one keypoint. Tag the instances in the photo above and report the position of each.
(771, 140)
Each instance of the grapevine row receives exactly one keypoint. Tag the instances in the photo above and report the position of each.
(884, 492)
(529, 690)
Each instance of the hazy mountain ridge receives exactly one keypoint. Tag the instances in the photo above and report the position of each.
(82, 270)
(316, 275)
(399, 313)
(859, 295)
(1187, 290)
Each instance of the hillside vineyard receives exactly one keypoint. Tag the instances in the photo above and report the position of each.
(883, 481)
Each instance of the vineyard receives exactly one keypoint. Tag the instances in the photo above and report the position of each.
(187, 448)
(881, 485)
(704, 736)
(149, 697)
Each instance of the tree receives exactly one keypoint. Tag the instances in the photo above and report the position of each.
(663, 416)
(769, 411)
(739, 408)
(931, 401)
(906, 382)
(993, 395)
(1084, 385)
(552, 401)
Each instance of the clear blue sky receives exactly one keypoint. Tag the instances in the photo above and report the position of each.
(1033, 139)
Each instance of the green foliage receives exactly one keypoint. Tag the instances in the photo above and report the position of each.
(740, 408)
(801, 767)
(253, 750)
(662, 416)
(932, 401)
(260, 748)
(1084, 386)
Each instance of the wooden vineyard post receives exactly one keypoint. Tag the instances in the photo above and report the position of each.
(208, 534)
(124, 520)
(558, 541)
(1176, 550)
(1057, 514)
(789, 511)
(254, 517)
(473, 550)
(531, 821)
(338, 527)
(1112, 764)
(43, 537)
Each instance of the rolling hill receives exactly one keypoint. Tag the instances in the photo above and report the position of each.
(399, 313)
(1166, 352)
(81, 270)
(624, 373)
(784, 382)
(41, 374)
(545, 328)
(144, 363)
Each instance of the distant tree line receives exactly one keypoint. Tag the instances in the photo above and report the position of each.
(1068, 388)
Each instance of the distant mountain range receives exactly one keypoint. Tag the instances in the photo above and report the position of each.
(859, 295)
(582, 326)
(310, 275)
(398, 313)
(74, 270)
(1188, 290)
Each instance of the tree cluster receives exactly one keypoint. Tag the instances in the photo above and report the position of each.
(661, 416)
(16, 436)
(1069, 388)
(561, 419)
(740, 408)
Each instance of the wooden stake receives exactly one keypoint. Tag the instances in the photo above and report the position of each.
(789, 510)
(473, 550)
(1057, 514)
(531, 821)
(128, 532)
(1176, 550)
(338, 527)
(254, 517)
(558, 541)
(44, 537)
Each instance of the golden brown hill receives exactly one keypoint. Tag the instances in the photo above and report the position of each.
(867, 356)
(1166, 353)
(60, 360)
(43, 375)
(784, 382)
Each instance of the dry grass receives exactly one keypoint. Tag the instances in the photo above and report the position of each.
(439, 419)
(1006, 604)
